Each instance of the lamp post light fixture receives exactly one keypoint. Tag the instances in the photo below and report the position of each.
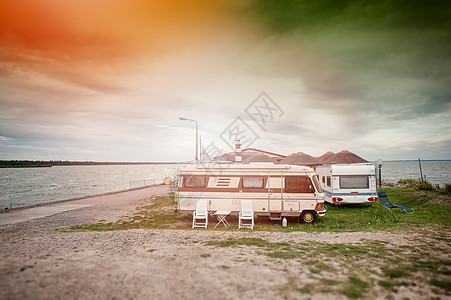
(197, 135)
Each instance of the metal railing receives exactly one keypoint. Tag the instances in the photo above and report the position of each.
(140, 183)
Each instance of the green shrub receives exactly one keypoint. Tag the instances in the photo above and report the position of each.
(410, 183)
(447, 188)
(425, 186)
(416, 184)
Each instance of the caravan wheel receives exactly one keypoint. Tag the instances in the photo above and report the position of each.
(307, 217)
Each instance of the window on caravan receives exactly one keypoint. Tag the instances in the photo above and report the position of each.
(324, 179)
(195, 182)
(328, 180)
(354, 182)
(253, 182)
(317, 185)
(298, 184)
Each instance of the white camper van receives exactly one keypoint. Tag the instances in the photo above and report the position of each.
(348, 184)
(276, 191)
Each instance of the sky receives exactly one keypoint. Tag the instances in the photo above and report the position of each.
(108, 80)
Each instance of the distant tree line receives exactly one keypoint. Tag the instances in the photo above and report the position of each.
(50, 163)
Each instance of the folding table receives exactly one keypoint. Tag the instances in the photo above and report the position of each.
(222, 215)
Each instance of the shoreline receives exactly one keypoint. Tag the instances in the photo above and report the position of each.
(77, 198)
(41, 164)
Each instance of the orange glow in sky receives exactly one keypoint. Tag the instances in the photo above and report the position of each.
(87, 43)
(73, 28)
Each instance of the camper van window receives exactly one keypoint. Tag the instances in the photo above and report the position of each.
(354, 182)
(317, 185)
(195, 182)
(298, 184)
(328, 181)
(253, 182)
(324, 179)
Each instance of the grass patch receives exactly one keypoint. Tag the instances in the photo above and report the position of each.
(284, 250)
(357, 259)
(434, 266)
(352, 292)
(291, 250)
(324, 267)
(315, 271)
(352, 218)
(242, 241)
(386, 284)
(394, 273)
(352, 257)
(358, 282)
(428, 210)
(443, 284)
(331, 282)
(355, 288)
(159, 214)
(307, 289)
(281, 254)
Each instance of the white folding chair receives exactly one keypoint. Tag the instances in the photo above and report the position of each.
(246, 215)
(200, 216)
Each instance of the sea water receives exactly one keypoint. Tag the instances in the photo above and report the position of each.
(30, 186)
(436, 172)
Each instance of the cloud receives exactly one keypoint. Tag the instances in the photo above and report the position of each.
(369, 47)
(110, 79)
(93, 45)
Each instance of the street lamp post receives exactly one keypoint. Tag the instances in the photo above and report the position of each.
(379, 163)
(197, 135)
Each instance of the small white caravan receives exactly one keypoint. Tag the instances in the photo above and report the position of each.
(348, 183)
(276, 191)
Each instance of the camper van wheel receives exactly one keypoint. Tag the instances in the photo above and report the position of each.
(307, 217)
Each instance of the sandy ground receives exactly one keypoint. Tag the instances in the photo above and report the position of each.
(40, 262)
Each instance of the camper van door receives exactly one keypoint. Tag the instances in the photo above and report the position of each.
(275, 185)
(335, 184)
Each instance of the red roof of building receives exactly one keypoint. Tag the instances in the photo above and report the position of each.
(264, 152)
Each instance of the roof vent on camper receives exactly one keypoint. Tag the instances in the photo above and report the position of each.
(238, 157)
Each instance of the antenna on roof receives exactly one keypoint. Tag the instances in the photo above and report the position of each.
(238, 157)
